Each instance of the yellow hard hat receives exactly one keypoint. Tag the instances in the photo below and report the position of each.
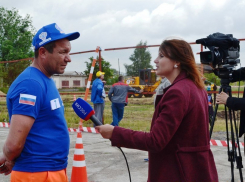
(99, 73)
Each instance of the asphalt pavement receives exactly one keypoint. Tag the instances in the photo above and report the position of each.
(105, 163)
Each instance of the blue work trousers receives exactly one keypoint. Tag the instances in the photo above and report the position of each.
(117, 112)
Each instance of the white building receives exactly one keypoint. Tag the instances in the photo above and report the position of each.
(70, 79)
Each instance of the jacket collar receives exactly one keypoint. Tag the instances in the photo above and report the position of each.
(180, 77)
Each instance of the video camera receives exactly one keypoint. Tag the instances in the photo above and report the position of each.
(223, 55)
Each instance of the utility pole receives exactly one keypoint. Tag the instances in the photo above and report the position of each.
(100, 68)
(118, 67)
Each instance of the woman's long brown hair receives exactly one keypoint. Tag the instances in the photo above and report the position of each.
(180, 51)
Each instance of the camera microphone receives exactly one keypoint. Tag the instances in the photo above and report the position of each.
(201, 41)
(85, 111)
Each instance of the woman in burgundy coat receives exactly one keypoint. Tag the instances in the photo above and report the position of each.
(178, 141)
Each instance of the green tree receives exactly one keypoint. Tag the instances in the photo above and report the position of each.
(114, 78)
(141, 59)
(16, 35)
(115, 72)
(211, 77)
(105, 68)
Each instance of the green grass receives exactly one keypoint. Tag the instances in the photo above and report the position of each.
(136, 116)
(3, 112)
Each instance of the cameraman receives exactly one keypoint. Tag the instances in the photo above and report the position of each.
(235, 103)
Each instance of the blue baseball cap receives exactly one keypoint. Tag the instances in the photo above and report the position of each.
(50, 33)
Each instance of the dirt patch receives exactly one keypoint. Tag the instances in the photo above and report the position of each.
(221, 114)
(141, 101)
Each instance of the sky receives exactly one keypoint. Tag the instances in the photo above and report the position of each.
(113, 24)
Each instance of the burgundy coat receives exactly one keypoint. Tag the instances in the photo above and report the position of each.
(178, 142)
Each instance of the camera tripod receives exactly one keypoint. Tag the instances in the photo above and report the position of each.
(231, 150)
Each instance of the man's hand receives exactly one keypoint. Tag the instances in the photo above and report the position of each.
(222, 98)
(141, 91)
(105, 130)
(5, 165)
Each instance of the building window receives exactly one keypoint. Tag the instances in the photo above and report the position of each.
(65, 84)
(76, 83)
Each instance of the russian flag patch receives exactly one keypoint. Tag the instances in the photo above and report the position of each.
(27, 99)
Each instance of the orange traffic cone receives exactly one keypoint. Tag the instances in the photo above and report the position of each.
(74, 98)
(79, 171)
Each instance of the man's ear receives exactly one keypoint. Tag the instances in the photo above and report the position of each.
(42, 52)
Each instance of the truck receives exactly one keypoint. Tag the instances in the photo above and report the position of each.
(147, 81)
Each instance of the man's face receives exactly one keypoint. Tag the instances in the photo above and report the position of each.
(56, 62)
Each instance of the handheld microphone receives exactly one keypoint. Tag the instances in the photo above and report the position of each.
(85, 111)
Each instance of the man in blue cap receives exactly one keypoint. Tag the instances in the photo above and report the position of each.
(38, 142)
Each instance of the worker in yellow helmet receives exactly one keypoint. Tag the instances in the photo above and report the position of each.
(98, 95)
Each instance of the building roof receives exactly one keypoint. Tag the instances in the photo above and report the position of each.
(2, 94)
